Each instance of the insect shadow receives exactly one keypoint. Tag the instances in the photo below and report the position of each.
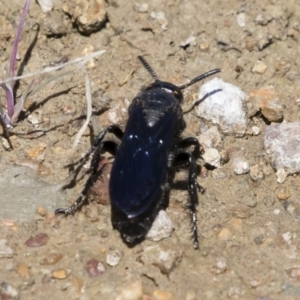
(151, 149)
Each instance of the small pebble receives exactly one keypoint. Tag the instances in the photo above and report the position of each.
(46, 5)
(113, 257)
(225, 234)
(293, 208)
(5, 251)
(104, 233)
(23, 270)
(39, 240)
(142, 8)
(221, 266)
(51, 259)
(60, 273)
(78, 285)
(255, 130)
(8, 292)
(133, 290)
(259, 239)
(284, 194)
(95, 268)
(266, 100)
(212, 157)
(256, 173)
(287, 237)
(162, 227)
(276, 212)
(259, 67)
(241, 19)
(166, 259)
(240, 166)
(70, 109)
(8, 222)
(191, 296)
(281, 175)
(203, 46)
(294, 273)
(210, 138)
(269, 201)
(5, 144)
(161, 18)
(162, 295)
(42, 211)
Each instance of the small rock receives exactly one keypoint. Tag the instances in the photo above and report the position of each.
(162, 227)
(46, 5)
(210, 138)
(259, 239)
(249, 200)
(142, 8)
(287, 237)
(166, 259)
(226, 107)
(89, 16)
(190, 41)
(255, 130)
(218, 174)
(162, 295)
(240, 166)
(95, 268)
(161, 18)
(78, 285)
(284, 194)
(256, 173)
(190, 295)
(55, 24)
(225, 234)
(8, 292)
(212, 157)
(60, 273)
(39, 240)
(220, 267)
(5, 144)
(8, 223)
(5, 251)
(241, 19)
(235, 292)
(42, 211)
(133, 290)
(281, 175)
(203, 46)
(23, 270)
(269, 201)
(293, 208)
(259, 67)
(293, 273)
(282, 144)
(267, 101)
(51, 258)
(113, 257)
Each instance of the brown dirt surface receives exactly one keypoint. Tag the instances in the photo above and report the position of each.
(249, 236)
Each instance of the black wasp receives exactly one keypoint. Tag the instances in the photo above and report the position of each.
(146, 159)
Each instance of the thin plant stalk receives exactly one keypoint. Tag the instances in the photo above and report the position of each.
(8, 87)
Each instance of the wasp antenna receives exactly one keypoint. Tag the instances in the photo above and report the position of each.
(200, 77)
(147, 66)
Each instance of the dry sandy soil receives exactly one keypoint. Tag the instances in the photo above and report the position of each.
(249, 239)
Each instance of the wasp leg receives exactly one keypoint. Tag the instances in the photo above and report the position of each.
(97, 149)
(188, 160)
